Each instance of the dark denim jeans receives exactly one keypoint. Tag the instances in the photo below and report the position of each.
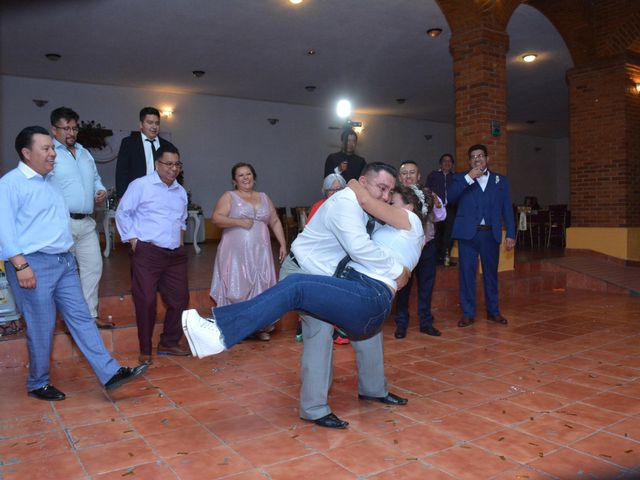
(354, 302)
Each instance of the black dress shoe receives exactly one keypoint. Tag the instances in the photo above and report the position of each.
(497, 318)
(400, 333)
(390, 399)
(48, 392)
(465, 322)
(330, 421)
(125, 375)
(430, 330)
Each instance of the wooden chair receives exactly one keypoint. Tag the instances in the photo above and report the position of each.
(285, 220)
(556, 224)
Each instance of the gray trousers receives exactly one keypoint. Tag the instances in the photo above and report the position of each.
(317, 361)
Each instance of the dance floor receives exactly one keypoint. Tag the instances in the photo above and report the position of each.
(555, 394)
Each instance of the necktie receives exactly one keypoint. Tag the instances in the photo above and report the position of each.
(153, 148)
(371, 223)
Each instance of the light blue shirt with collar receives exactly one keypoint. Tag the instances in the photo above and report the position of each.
(153, 212)
(34, 215)
(77, 177)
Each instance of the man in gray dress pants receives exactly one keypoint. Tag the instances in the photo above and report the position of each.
(339, 228)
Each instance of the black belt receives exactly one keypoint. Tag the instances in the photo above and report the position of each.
(293, 258)
(78, 216)
(484, 227)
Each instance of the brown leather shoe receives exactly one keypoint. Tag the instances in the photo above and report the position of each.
(177, 351)
(104, 324)
(145, 359)
(465, 322)
(497, 318)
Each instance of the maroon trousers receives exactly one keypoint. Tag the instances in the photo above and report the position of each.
(155, 269)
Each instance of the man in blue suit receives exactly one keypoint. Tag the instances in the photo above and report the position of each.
(484, 203)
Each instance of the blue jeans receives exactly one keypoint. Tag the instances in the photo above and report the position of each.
(57, 286)
(354, 302)
(425, 272)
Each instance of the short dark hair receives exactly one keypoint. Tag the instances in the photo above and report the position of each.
(377, 167)
(243, 164)
(478, 146)
(149, 111)
(344, 136)
(166, 148)
(25, 138)
(442, 157)
(407, 162)
(64, 113)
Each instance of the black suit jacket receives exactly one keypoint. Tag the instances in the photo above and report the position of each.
(132, 162)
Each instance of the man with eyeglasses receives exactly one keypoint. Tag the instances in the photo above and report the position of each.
(151, 217)
(76, 174)
(137, 151)
(484, 204)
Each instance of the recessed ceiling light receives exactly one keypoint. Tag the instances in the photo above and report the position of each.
(531, 122)
(310, 88)
(54, 57)
(529, 57)
(295, 2)
(311, 51)
(400, 101)
(434, 32)
(198, 73)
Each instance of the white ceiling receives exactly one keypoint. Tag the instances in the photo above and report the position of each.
(371, 51)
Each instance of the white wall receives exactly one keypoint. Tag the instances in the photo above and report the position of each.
(538, 167)
(213, 133)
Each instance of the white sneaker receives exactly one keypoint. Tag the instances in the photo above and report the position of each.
(203, 334)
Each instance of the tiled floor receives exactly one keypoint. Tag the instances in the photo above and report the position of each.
(556, 394)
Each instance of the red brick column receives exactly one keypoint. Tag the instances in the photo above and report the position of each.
(480, 76)
(605, 143)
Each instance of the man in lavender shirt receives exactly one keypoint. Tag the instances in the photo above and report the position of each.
(151, 216)
(425, 271)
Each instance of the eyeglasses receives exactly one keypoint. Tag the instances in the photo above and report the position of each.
(479, 156)
(177, 165)
(68, 129)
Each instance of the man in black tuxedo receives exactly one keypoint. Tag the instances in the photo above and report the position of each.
(137, 151)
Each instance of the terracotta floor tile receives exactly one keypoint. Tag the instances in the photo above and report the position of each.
(218, 410)
(619, 371)
(265, 400)
(465, 426)
(319, 438)
(516, 446)
(615, 402)
(383, 420)
(27, 425)
(570, 464)
(116, 456)
(215, 463)
(589, 415)
(469, 462)
(492, 388)
(422, 385)
(308, 467)
(62, 466)
(182, 441)
(418, 440)
(286, 418)
(628, 428)
(615, 449)
(89, 414)
(367, 457)
(162, 422)
(144, 404)
(568, 390)
(522, 473)
(503, 412)
(241, 428)
(425, 409)
(631, 389)
(538, 402)
(412, 471)
(101, 433)
(147, 471)
(595, 381)
(460, 397)
(192, 396)
(247, 475)
(32, 447)
(270, 449)
(555, 429)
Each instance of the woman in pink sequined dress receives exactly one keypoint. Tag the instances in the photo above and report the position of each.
(244, 264)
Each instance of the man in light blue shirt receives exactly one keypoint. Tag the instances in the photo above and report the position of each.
(152, 216)
(76, 174)
(35, 239)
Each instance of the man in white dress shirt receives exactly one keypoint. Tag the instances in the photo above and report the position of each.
(339, 228)
(76, 174)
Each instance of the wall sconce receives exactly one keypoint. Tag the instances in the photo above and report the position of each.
(40, 103)
(273, 121)
(166, 113)
(638, 87)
